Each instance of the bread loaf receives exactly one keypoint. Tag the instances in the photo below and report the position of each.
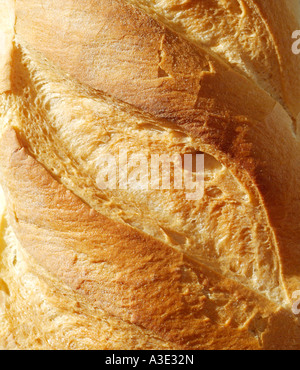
(86, 267)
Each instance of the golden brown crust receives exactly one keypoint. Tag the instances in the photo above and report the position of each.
(236, 121)
(253, 35)
(39, 312)
(282, 20)
(127, 273)
(149, 284)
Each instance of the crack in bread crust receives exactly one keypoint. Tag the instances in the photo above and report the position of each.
(211, 274)
(95, 129)
(109, 262)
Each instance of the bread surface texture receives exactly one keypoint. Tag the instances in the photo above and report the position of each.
(85, 267)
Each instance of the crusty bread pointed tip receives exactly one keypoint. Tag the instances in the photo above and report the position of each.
(87, 267)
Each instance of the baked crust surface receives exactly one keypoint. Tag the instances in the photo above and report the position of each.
(148, 270)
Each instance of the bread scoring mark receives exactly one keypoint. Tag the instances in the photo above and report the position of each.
(106, 262)
(240, 143)
(42, 312)
(76, 146)
(227, 28)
